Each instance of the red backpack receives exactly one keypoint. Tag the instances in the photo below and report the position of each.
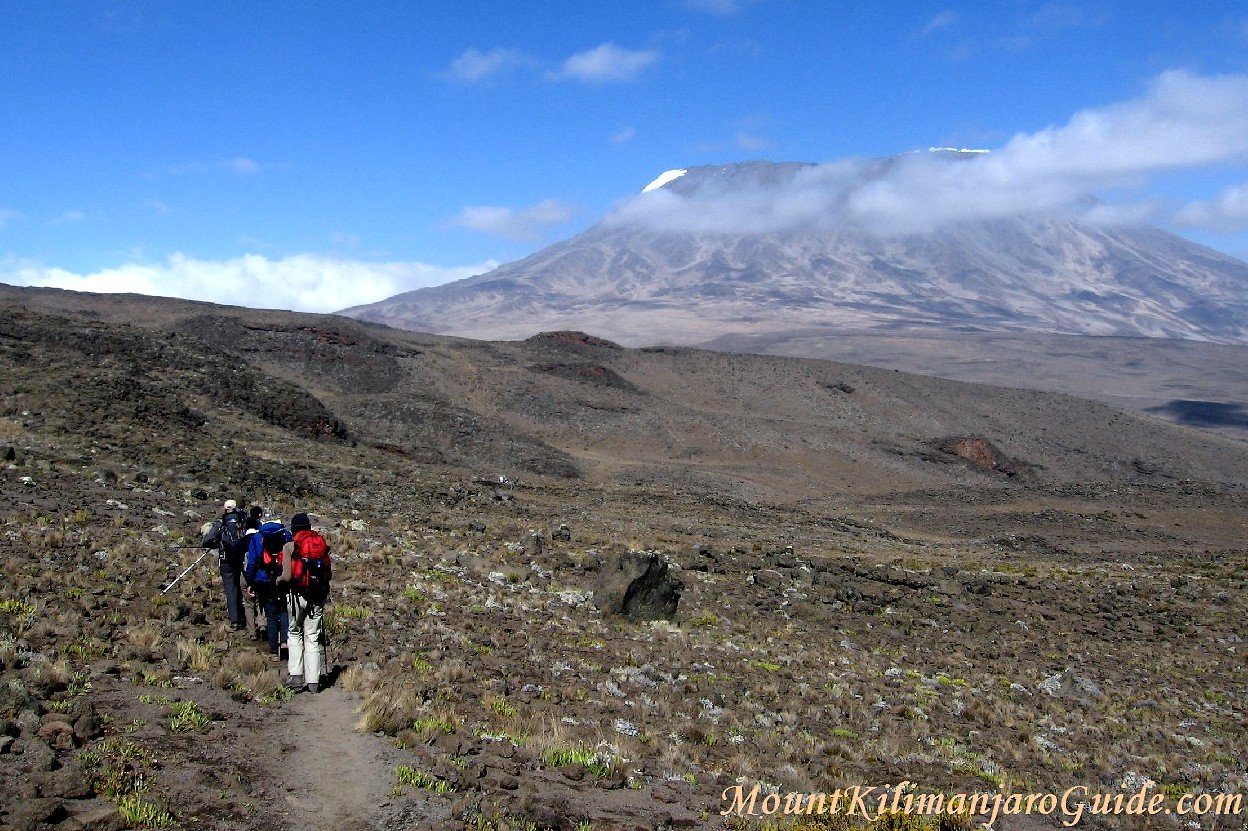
(309, 565)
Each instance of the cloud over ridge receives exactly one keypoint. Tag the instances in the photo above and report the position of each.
(303, 282)
(1183, 121)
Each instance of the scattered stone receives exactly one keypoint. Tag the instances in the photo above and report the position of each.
(533, 544)
(38, 756)
(1067, 684)
(58, 734)
(66, 783)
(30, 814)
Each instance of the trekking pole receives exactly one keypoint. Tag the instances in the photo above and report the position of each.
(188, 571)
(329, 665)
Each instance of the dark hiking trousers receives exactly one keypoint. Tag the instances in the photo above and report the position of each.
(274, 604)
(233, 595)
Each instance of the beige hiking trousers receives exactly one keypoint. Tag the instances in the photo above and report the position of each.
(306, 654)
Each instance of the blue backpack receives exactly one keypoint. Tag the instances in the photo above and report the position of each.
(264, 553)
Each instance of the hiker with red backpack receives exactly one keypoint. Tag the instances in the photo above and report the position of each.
(306, 570)
(264, 579)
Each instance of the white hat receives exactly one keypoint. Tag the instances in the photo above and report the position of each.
(230, 504)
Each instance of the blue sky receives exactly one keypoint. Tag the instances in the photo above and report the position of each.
(316, 155)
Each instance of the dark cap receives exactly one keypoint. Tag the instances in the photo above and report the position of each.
(300, 522)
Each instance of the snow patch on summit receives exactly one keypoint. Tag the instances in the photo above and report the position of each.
(669, 176)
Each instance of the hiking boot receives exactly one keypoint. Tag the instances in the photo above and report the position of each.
(314, 687)
(295, 682)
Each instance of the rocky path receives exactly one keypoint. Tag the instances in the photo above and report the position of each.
(334, 776)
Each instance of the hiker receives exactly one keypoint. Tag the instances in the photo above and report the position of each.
(306, 570)
(227, 535)
(250, 608)
(264, 579)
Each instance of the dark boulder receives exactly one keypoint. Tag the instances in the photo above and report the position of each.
(640, 586)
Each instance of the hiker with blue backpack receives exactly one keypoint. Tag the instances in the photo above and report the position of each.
(306, 572)
(264, 579)
(227, 534)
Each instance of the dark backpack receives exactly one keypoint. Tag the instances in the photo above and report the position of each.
(309, 565)
(231, 542)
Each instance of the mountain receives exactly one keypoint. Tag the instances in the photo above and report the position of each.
(762, 248)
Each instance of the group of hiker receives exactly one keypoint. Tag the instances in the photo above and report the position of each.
(283, 571)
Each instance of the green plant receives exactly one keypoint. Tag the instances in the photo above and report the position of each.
(187, 716)
(75, 593)
(162, 700)
(414, 594)
(586, 758)
(424, 725)
(705, 619)
(500, 708)
(16, 608)
(273, 696)
(419, 779)
(352, 612)
(139, 812)
(155, 679)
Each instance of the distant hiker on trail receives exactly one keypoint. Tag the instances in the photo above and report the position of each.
(306, 570)
(228, 536)
(264, 579)
(250, 609)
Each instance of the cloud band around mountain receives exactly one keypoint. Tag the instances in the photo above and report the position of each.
(1183, 121)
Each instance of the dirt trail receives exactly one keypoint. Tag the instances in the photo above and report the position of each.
(335, 777)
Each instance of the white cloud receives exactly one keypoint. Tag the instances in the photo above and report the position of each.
(8, 215)
(751, 142)
(304, 282)
(1183, 121)
(719, 7)
(473, 65)
(607, 62)
(940, 21)
(1228, 213)
(156, 206)
(239, 165)
(524, 224)
(624, 136)
(68, 217)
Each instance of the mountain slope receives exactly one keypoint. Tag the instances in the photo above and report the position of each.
(761, 248)
(561, 404)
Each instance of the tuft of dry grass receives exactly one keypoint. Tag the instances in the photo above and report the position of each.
(356, 678)
(197, 655)
(143, 641)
